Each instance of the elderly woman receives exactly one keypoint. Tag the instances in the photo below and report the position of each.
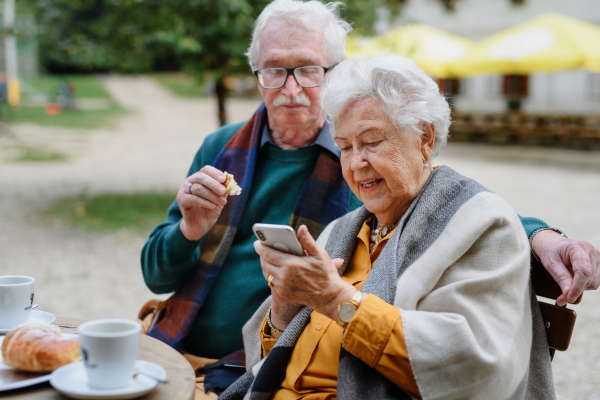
(423, 292)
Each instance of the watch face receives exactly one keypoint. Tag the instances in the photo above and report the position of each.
(346, 312)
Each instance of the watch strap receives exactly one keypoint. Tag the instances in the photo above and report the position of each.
(355, 300)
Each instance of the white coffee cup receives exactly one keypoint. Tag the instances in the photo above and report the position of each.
(16, 299)
(109, 348)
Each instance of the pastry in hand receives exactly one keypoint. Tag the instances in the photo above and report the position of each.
(232, 187)
(39, 348)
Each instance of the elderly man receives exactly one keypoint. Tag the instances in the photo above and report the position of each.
(288, 167)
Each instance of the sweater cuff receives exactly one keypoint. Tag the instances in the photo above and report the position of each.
(369, 331)
(180, 248)
(531, 224)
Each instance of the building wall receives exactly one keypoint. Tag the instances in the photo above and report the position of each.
(565, 93)
(481, 94)
(477, 19)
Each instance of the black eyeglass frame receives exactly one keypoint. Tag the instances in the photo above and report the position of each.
(290, 71)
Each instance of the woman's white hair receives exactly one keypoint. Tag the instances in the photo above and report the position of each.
(312, 16)
(409, 95)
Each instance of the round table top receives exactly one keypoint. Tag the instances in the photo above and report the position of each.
(180, 375)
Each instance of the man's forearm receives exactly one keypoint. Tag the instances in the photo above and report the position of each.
(168, 257)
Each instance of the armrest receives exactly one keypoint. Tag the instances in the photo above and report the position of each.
(559, 323)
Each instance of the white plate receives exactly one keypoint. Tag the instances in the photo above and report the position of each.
(13, 379)
(71, 380)
(35, 317)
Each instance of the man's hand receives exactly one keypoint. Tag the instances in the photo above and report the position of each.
(201, 199)
(574, 265)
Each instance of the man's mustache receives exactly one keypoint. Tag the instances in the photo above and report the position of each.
(300, 98)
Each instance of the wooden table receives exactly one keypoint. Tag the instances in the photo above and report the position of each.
(180, 375)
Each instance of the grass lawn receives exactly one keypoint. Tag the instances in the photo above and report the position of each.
(181, 84)
(137, 213)
(87, 119)
(27, 153)
(86, 86)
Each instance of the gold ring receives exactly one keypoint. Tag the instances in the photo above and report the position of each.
(270, 281)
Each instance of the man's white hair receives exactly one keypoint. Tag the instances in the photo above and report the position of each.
(311, 16)
(409, 95)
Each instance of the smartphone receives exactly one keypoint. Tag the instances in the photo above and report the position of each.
(278, 237)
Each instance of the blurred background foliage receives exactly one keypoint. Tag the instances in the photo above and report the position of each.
(133, 36)
(199, 37)
(86, 87)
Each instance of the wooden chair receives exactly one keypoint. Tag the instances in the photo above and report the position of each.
(153, 306)
(559, 321)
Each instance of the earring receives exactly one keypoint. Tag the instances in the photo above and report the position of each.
(426, 165)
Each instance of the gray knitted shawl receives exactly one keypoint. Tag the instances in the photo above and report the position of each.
(443, 194)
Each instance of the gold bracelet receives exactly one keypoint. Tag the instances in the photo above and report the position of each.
(277, 331)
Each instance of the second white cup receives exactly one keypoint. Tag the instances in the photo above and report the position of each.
(16, 299)
(109, 348)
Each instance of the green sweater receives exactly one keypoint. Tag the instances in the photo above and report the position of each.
(168, 258)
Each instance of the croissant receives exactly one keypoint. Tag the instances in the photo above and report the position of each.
(232, 187)
(39, 348)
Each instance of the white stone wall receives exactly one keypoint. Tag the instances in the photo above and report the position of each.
(565, 93)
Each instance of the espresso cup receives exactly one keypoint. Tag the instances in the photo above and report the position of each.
(109, 348)
(16, 299)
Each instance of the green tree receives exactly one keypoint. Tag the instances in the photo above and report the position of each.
(220, 32)
(199, 36)
(103, 35)
(226, 28)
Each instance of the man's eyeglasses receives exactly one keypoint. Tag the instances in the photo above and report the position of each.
(306, 76)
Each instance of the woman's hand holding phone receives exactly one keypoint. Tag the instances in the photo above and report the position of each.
(311, 281)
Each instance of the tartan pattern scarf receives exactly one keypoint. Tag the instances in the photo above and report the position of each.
(324, 197)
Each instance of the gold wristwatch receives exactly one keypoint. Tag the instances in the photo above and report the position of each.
(346, 311)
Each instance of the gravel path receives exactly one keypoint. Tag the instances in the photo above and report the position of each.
(85, 274)
(91, 275)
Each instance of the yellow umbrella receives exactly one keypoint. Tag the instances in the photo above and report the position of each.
(548, 43)
(432, 49)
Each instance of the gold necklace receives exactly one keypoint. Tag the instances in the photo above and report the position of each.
(378, 234)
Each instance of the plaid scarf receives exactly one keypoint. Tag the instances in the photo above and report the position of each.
(324, 197)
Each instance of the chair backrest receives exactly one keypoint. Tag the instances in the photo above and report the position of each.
(157, 308)
(559, 321)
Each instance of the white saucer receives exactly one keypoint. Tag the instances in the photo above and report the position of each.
(71, 380)
(35, 317)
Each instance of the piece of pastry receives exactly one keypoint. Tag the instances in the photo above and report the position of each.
(232, 187)
(39, 348)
